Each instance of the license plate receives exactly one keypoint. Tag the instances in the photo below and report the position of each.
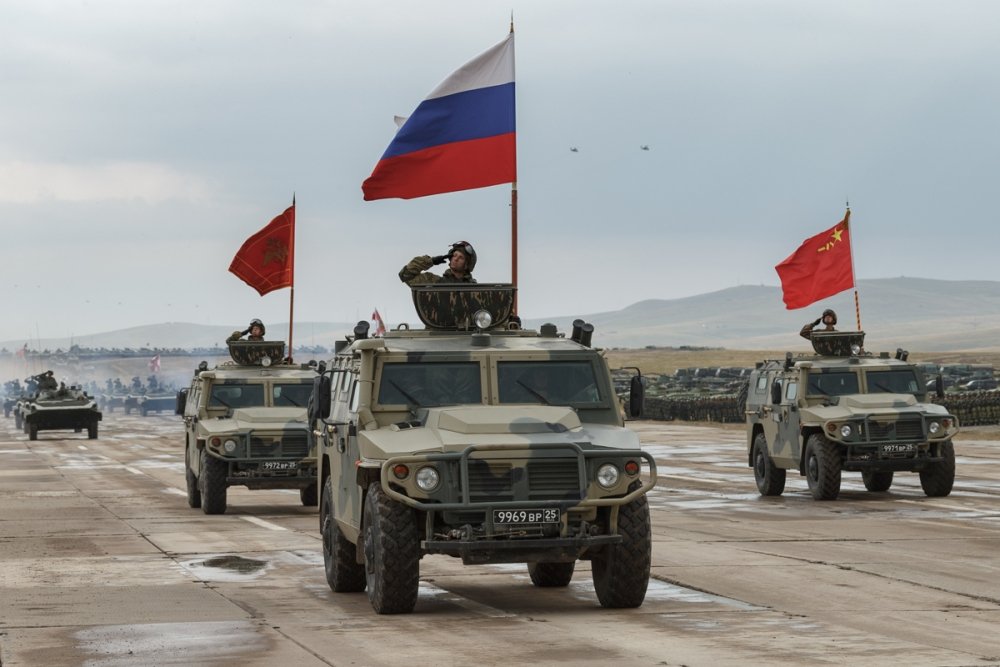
(279, 465)
(898, 448)
(547, 515)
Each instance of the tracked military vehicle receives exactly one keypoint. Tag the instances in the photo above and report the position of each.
(845, 410)
(476, 439)
(57, 407)
(245, 425)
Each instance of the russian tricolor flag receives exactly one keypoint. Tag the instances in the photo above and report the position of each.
(460, 137)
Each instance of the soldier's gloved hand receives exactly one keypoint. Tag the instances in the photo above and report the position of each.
(817, 322)
(247, 330)
(439, 259)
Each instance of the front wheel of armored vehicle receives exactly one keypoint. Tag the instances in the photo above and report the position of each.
(343, 573)
(770, 479)
(551, 575)
(621, 571)
(92, 431)
(32, 431)
(193, 492)
(212, 484)
(309, 495)
(937, 479)
(392, 553)
(822, 468)
(877, 481)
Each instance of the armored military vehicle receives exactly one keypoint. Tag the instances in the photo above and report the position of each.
(58, 407)
(156, 401)
(843, 409)
(245, 425)
(479, 440)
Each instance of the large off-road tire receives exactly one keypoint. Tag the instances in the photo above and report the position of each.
(551, 575)
(877, 481)
(621, 571)
(343, 573)
(309, 495)
(937, 479)
(822, 468)
(212, 484)
(193, 492)
(770, 478)
(92, 431)
(741, 400)
(32, 431)
(392, 553)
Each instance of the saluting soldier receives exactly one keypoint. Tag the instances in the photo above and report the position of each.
(461, 258)
(253, 332)
(828, 319)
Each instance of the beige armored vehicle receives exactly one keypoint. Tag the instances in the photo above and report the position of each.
(245, 425)
(846, 410)
(476, 439)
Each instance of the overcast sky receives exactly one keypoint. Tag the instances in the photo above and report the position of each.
(141, 142)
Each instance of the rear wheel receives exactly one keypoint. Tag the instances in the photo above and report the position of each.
(621, 571)
(32, 431)
(92, 431)
(822, 468)
(343, 573)
(937, 479)
(877, 481)
(212, 484)
(309, 495)
(551, 575)
(770, 479)
(193, 492)
(392, 553)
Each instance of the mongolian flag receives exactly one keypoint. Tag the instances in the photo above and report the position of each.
(462, 136)
(266, 260)
(821, 267)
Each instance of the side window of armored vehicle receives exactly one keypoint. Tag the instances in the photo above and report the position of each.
(236, 395)
(193, 400)
(837, 383)
(290, 394)
(792, 391)
(430, 384)
(355, 396)
(761, 384)
(902, 381)
(548, 382)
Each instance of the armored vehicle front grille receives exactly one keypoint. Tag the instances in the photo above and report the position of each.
(908, 429)
(553, 479)
(490, 481)
(285, 445)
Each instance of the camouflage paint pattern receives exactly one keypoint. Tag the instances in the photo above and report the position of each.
(453, 306)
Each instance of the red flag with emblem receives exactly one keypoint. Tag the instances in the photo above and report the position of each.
(265, 260)
(379, 323)
(821, 267)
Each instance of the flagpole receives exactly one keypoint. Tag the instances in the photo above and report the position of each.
(513, 215)
(291, 292)
(850, 232)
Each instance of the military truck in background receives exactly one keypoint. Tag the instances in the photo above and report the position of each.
(245, 425)
(843, 409)
(476, 439)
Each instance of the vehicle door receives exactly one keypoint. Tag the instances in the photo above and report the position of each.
(787, 419)
(340, 445)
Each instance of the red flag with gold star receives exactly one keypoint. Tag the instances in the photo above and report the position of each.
(265, 260)
(821, 267)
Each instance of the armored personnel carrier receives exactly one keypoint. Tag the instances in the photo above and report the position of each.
(245, 425)
(58, 407)
(479, 440)
(845, 410)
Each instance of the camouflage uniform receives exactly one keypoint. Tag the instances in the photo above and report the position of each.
(415, 273)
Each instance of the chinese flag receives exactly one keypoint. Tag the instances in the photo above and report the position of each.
(821, 267)
(266, 260)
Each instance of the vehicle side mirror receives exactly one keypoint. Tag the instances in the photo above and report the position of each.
(775, 393)
(181, 402)
(637, 395)
(321, 396)
(939, 386)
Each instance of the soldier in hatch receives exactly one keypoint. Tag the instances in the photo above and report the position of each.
(253, 332)
(47, 381)
(461, 258)
(828, 320)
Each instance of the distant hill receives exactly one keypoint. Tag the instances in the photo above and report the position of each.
(915, 313)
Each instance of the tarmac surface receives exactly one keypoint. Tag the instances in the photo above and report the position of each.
(103, 563)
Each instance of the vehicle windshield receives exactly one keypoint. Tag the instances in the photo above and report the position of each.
(430, 384)
(291, 394)
(548, 382)
(236, 395)
(837, 383)
(903, 381)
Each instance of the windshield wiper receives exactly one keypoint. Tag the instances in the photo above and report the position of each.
(218, 399)
(292, 401)
(879, 385)
(405, 394)
(534, 392)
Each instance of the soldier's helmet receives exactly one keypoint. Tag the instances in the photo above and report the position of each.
(829, 311)
(255, 321)
(470, 253)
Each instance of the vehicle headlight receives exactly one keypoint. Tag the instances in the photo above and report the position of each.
(934, 428)
(855, 349)
(428, 478)
(482, 319)
(229, 446)
(265, 361)
(607, 475)
(846, 430)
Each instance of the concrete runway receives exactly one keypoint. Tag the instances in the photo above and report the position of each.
(102, 563)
